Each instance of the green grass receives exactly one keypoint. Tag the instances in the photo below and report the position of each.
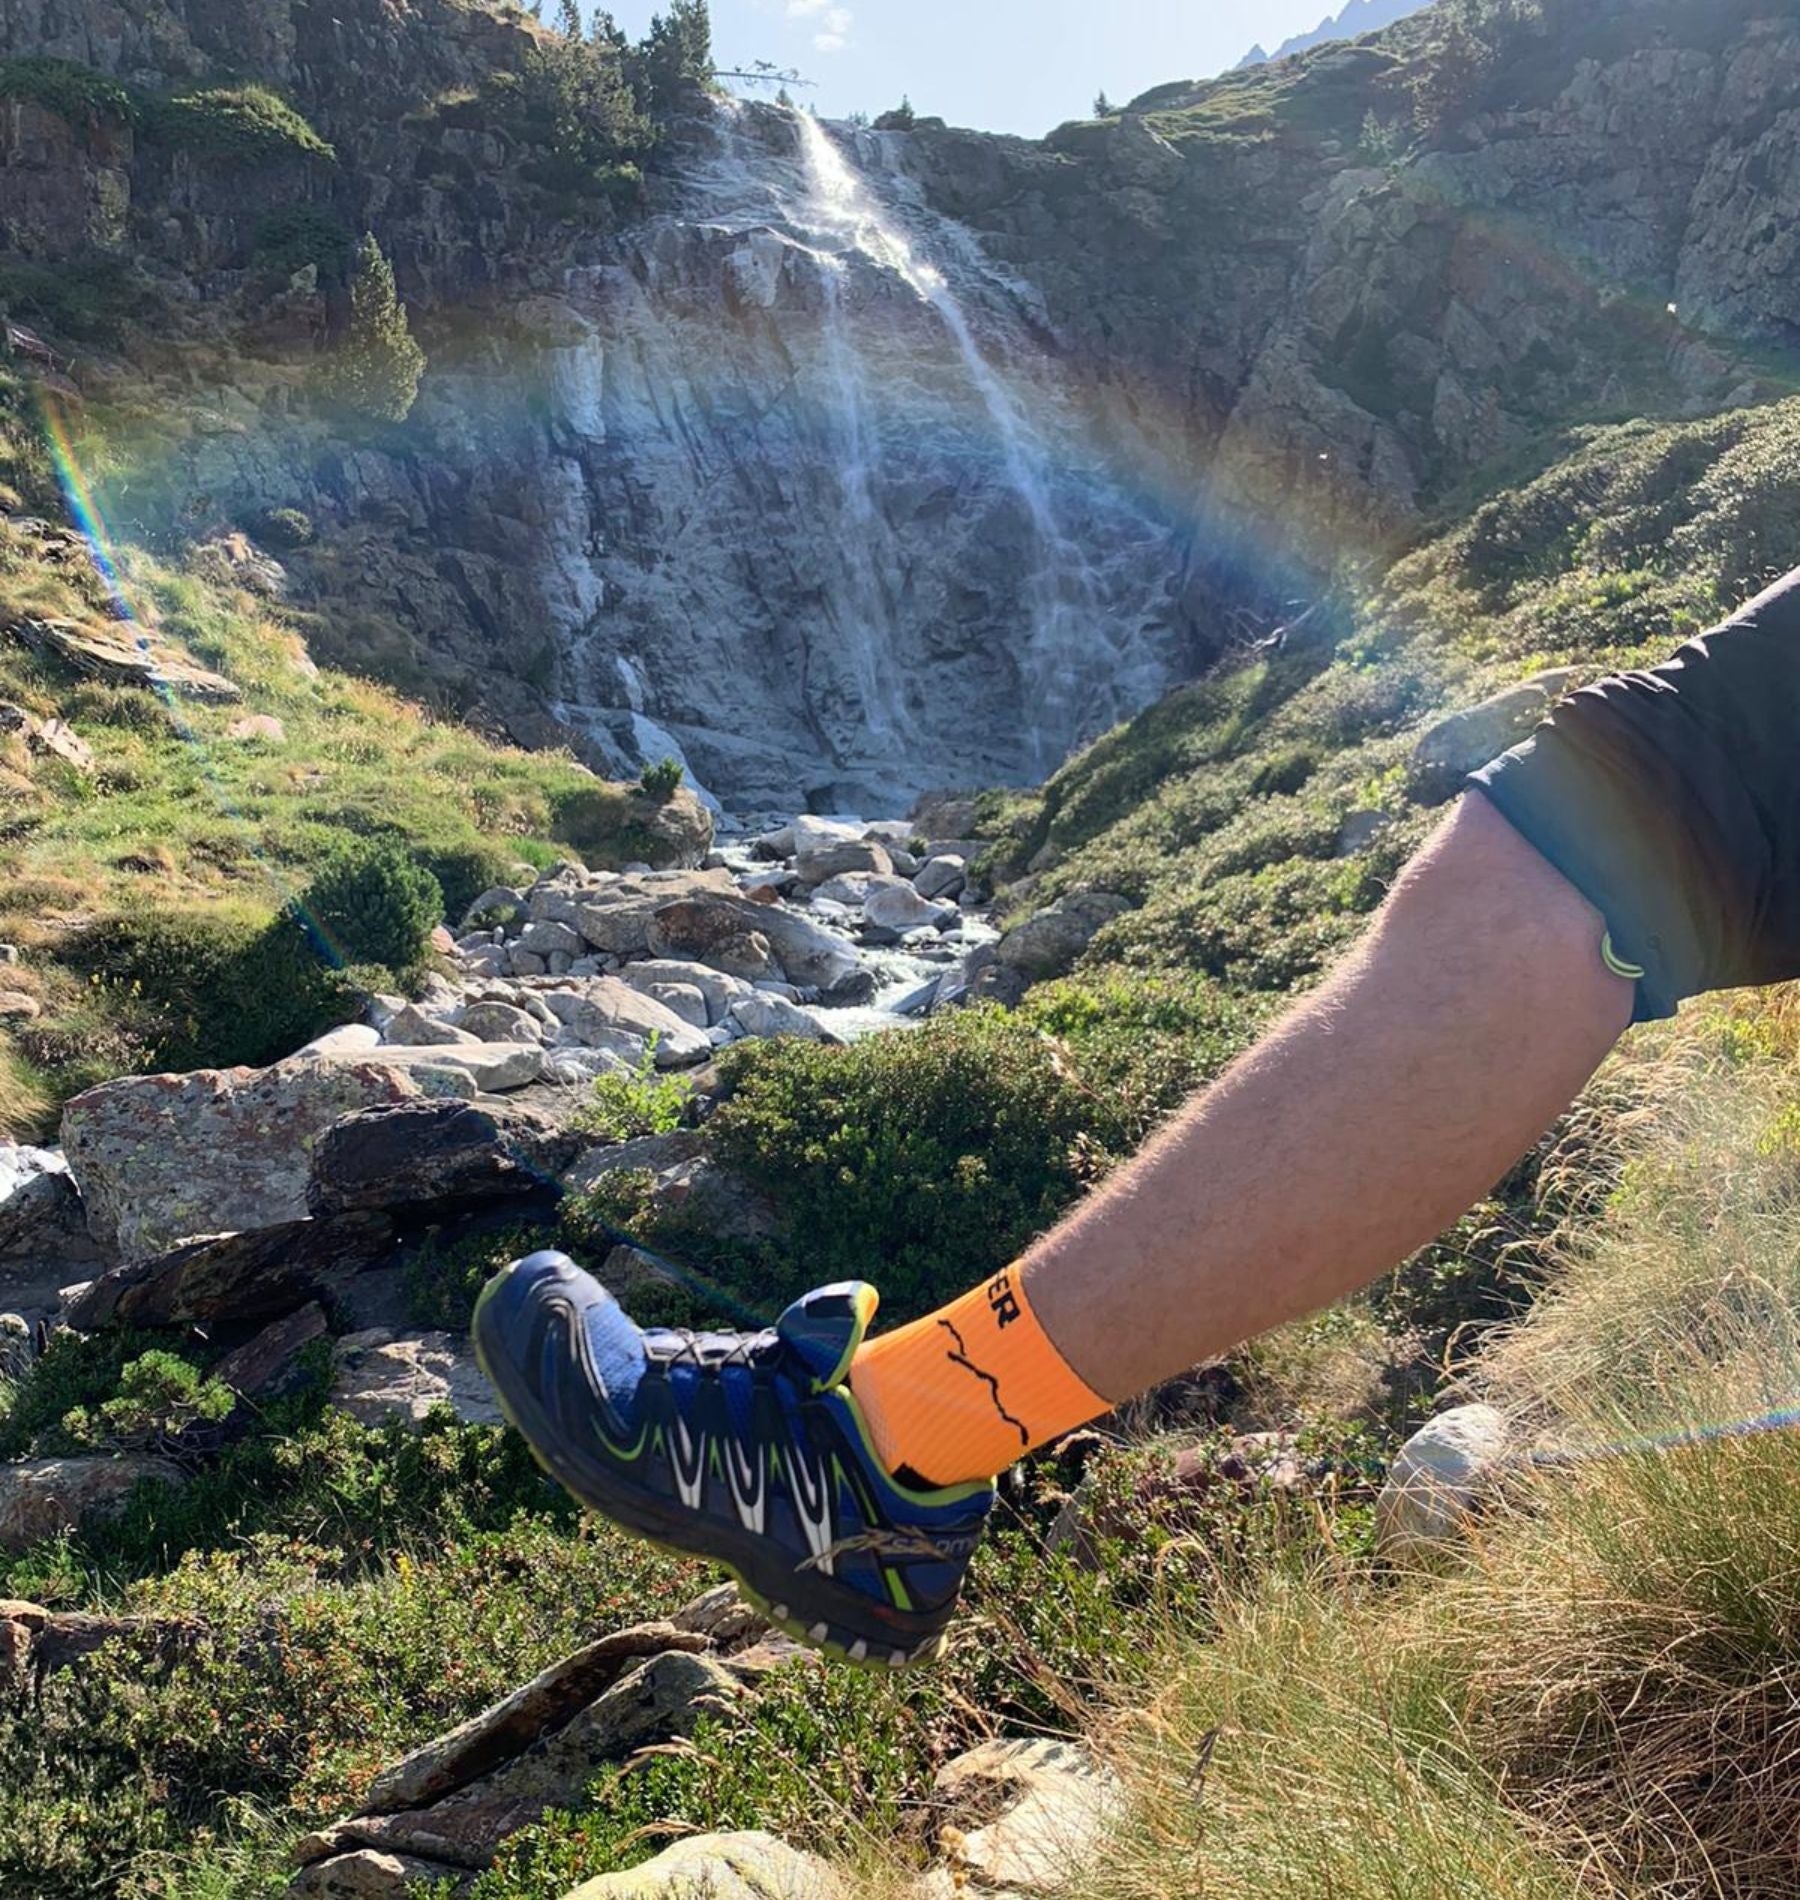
(77, 93)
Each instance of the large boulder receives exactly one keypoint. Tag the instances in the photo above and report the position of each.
(899, 908)
(259, 1275)
(613, 913)
(1047, 944)
(762, 1015)
(746, 1866)
(1438, 1480)
(840, 859)
(434, 1154)
(45, 1497)
(160, 1158)
(44, 1239)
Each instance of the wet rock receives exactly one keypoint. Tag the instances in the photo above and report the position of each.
(252, 1276)
(771, 1016)
(160, 1158)
(378, 1376)
(746, 1866)
(900, 908)
(44, 1497)
(1438, 1481)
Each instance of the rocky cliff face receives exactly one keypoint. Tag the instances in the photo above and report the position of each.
(847, 464)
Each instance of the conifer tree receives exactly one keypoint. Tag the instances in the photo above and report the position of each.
(676, 58)
(568, 20)
(377, 368)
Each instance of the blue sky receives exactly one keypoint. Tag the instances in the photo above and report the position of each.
(1003, 65)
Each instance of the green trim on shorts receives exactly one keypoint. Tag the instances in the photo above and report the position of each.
(1632, 972)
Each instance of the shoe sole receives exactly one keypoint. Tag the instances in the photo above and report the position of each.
(654, 1523)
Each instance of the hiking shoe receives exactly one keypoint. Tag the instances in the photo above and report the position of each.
(745, 1448)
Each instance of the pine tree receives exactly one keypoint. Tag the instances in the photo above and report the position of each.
(1103, 106)
(676, 58)
(376, 369)
(568, 20)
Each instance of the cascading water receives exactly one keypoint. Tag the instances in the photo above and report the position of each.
(859, 540)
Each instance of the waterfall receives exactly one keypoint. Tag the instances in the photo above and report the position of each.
(850, 532)
(1056, 588)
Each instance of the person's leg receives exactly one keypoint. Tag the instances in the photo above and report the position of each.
(1382, 1108)
(829, 1473)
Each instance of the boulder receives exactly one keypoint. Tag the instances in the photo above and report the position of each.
(1438, 1481)
(942, 878)
(748, 1866)
(253, 1276)
(684, 1000)
(409, 1027)
(348, 1039)
(378, 1376)
(365, 1875)
(1465, 741)
(45, 1497)
(613, 915)
(602, 1011)
(1056, 1804)
(43, 1231)
(498, 1022)
(759, 1015)
(1048, 944)
(160, 1158)
(436, 1155)
(47, 738)
(899, 907)
(704, 927)
(838, 860)
(124, 660)
(498, 902)
(719, 990)
(545, 938)
(465, 1069)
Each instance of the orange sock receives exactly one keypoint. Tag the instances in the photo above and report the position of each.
(970, 1389)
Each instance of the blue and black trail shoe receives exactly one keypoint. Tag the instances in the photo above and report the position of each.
(745, 1448)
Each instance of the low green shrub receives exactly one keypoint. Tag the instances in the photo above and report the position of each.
(161, 1398)
(373, 903)
(286, 528)
(646, 1102)
(662, 781)
(464, 871)
(213, 988)
(924, 1159)
(77, 93)
(239, 125)
(87, 298)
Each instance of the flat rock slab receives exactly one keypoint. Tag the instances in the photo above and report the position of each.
(44, 1497)
(550, 1701)
(125, 661)
(161, 1158)
(261, 1275)
(748, 1866)
(379, 1376)
(365, 1875)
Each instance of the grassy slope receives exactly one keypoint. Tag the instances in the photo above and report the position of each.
(177, 817)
